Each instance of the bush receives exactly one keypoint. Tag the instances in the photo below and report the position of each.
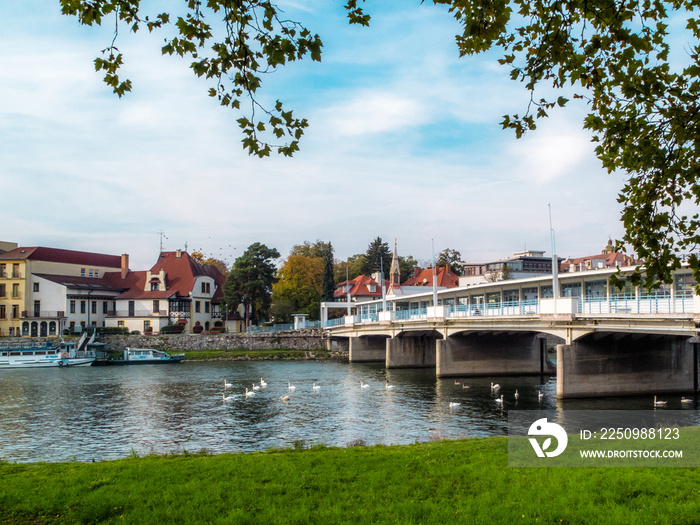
(114, 330)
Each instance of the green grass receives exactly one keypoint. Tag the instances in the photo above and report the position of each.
(465, 481)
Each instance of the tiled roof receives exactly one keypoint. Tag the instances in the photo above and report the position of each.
(40, 253)
(359, 287)
(424, 277)
(81, 283)
(180, 275)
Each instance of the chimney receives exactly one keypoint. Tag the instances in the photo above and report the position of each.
(125, 265)
(178, 253)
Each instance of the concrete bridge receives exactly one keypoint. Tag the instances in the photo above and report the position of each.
(607, 345)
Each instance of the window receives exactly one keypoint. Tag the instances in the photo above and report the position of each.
(206, 307)
(35, 287)
(37, 308)
(82, 272)
(83, 307)
(15, 271)
(71, 306)
(3, 270)
(94, 307)
(156, 306)
(3, 292)
(197, 307)
(154, 286)
(15, 290)
(90, 272)
(15, 311)
(120, 324)
(3, 312)
(206, 287)
(146, 325)
(104, 307)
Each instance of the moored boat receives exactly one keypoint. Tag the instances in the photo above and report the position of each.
(35, 355)
(144, 356)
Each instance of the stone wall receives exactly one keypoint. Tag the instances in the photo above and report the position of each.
(308, 339)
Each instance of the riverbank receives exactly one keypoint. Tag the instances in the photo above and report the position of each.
(283, 354)
(466, 481)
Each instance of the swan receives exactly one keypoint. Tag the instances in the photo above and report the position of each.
(517, 396)
(388, 386)
(255, 387)
(500, 400)
(291, 387)
(659, 403)
(248, 393)
(686, 400)
(464, 387)
(494, 387)
(227, 398)
(363, 384)
(453, 404)
(316, 387)
(227, 384)
(285, 398)
(457, 383)
(262, 383)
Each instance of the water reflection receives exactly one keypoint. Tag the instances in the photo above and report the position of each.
(110, 412)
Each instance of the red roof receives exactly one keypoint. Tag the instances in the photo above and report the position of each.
(424, 277)
(359, 287)
(180, 275)
(39, 253)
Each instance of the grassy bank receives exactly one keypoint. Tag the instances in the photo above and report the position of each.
(281, 354)
(464, 481)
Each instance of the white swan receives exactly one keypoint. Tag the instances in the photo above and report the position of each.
(388, 386)
(227, 384)
(316, 387)
(659, 403)
(291, 387)
(686, 400)
(248, 393)
(464, 387)
(262, 383)
(500, 400)
(494, 387)
(255, 387)
(227, 398)
(457, 383)
(453, 404)
(517, 396)
(285, 398)
(363, 384)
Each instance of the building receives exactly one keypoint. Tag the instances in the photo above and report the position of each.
(45, 290)
(361, 288)
(608, 258)
(521, 265)
(176, 290)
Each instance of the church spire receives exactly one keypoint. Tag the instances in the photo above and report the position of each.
(395, 272)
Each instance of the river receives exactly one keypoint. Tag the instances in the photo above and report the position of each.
(103, 413)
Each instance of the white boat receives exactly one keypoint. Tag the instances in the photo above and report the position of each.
(144, 356)
(34, 355)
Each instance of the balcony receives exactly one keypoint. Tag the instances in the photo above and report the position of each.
(43, 314)
(136, 313)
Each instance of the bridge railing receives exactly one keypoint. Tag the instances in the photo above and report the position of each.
(505, 308)
(637, 304)
(413, 313)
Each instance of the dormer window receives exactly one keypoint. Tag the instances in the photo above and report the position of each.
(154, 286)
(372, 288)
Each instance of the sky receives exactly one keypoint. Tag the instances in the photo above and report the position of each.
(404, 143)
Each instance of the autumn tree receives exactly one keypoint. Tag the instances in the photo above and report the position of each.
(614, 55)
(298, 288)
(250, 281)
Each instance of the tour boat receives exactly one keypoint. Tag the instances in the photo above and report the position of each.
(145, 356)
(34, 355)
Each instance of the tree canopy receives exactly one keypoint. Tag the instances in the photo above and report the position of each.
(250, 281)
(643, 109)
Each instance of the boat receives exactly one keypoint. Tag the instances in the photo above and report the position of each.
(43, 355)
(144, 356)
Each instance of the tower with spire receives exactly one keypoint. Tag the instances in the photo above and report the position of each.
(394, 273)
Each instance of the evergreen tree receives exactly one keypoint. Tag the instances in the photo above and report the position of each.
(378, 256)
(328, 274)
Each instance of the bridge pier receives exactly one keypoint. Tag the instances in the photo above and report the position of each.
(618, 365)
(477, 354)
(367, 349)
(411, 351)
